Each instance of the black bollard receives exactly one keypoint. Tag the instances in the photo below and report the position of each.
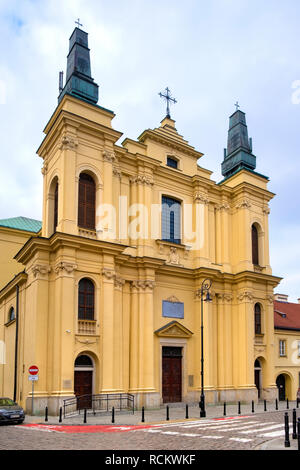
(113, 414)
(60, 415)
(186, 411)
(143, 414)
(297, 402)
(298, 426)
(46, 413)
(294, 424)
(287, 403)
(84, 415)
(167, 411)
(239, 408)
(265, 405)
(224, 413)
(252, 406)
(276, 404)
(287, 431)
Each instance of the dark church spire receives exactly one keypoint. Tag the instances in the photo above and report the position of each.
(238, 154)
(78, 80)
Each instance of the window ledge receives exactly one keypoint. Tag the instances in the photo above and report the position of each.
(10, 322)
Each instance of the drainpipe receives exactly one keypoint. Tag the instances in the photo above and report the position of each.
(16, 343)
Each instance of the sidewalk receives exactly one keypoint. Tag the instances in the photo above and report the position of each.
(176, 413)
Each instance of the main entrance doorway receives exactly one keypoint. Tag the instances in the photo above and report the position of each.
(171, 374)
(83, 381)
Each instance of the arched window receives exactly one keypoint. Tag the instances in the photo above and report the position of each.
(255, 253)
(257, 319)
(11, 314)
(55, 219)
(86, 300)
(170, 222)
(83, 361)
(86, 202)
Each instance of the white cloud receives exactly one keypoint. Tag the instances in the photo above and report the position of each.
(209, 53)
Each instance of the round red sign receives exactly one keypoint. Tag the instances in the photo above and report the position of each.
(33, 370)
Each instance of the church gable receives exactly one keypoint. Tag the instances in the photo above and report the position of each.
(174, 329)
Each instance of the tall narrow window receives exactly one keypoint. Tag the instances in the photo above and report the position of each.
(55, 207)
(86, 300)
(257, 314)
(255, 256)
(86, 202)
(171, 226)
(282, 347)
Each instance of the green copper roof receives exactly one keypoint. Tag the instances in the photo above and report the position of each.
(79, 81)
(22, 223)
(238, 154)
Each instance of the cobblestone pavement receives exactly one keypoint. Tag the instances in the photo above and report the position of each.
(230, 433)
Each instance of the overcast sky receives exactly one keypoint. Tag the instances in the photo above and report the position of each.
(209, 53)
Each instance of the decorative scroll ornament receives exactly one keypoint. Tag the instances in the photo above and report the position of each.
(223, 206)
(224, 297)
(245, 204)
(142, 179)
(245, 296)
(270, 299)
(201, 198)
(143, 285)
(173, 256)
(109, 274)
(117, 172)
(119, 282)
(108, 156)
(68, 142)
(64, 266)
(44, 169)
(266, 210)
(41, 269)
(172, 299)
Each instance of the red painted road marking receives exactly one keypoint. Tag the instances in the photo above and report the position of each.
(80, 428)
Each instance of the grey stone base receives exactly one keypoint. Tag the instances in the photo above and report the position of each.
(150, 400)
(39, 404)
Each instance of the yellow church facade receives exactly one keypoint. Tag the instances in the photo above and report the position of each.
(108, 297)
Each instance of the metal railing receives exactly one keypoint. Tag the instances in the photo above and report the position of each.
(98, 403)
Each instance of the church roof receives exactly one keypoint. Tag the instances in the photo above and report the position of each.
(22, 223)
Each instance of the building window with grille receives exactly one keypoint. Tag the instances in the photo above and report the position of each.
(282, 347)
(255, 252)
(55, 221)
(172, 162)
(86, 300)
(87, 202)
(257, 315)
(171, 220)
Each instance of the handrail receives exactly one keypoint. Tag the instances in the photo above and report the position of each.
(98, 403)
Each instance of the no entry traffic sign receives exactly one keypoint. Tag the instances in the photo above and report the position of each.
(33, 370)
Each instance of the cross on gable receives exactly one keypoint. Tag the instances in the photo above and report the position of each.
(168, 98)
(78, 23)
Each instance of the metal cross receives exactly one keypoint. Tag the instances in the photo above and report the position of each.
(237, 105)
(78, 23)
(168, 98)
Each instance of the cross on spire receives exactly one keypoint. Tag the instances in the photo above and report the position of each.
(237, 105)
(168, 98)
(78, 23)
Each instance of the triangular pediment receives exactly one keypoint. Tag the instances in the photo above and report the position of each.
(174, 329)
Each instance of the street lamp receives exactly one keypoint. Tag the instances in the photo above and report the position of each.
(206, 285)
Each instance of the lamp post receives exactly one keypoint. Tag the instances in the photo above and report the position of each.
(206, 285)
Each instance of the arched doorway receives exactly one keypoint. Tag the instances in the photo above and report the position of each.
(281, 385)
(83, 381)
(258, 377)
